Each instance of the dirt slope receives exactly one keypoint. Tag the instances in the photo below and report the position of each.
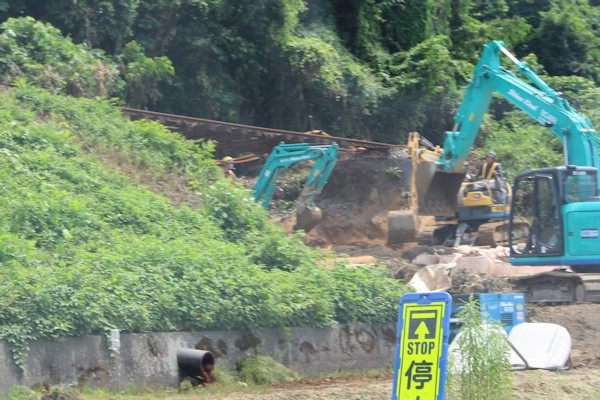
(362, 188)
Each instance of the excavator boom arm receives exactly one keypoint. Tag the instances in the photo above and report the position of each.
(539, 101)
(284, 156)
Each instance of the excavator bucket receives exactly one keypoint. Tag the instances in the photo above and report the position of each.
(402, 227)
(437, 191)
(308, 215)
(433, 193)
(307, 218)
(430, 191)
(436, 195)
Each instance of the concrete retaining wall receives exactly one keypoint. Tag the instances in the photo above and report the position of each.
(150, 359)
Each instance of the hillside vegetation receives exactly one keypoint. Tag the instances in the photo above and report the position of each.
(84, 249)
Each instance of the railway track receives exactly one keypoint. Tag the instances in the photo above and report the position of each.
(236, 138)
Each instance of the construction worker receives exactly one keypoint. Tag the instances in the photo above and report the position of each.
(228, 168)
(490, 168)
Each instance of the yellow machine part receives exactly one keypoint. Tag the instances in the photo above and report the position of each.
(483, 196)
(432, 192)
(476, 199)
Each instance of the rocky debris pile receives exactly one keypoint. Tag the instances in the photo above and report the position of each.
(463, 269)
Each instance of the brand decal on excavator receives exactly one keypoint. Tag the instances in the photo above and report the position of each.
(546, 117)
(589, 233)
(295, 159)
(517, 96)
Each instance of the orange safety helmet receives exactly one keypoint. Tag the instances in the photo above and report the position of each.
(227, 159)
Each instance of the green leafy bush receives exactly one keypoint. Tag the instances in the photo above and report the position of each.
(39, 52)
(21, 393)
(480, 369)
(233, 210)
(263, 370)
(143, 74)
(362, 294)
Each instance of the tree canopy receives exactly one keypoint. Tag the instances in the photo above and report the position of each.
(374, 69)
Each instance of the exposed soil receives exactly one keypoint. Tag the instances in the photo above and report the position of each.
(580, 384)
(362, 188)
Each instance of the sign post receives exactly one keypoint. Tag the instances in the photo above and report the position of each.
(422, 346)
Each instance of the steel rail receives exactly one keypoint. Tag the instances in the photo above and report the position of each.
(237, 137)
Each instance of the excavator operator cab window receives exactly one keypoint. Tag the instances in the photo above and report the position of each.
(522, 216)
(547, 217)
(535, 224)
(580, 186)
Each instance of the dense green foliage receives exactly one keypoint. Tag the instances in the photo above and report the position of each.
(375, 69)
(39, 52)
(83, 249)
(263, 370)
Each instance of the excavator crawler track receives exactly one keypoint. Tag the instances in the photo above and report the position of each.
(443, 235)
(495, 234)
(560, 287)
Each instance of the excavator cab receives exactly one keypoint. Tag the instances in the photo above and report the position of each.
(492, 193)
(561, 209)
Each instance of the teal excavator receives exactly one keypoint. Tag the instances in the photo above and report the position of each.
(555, 212)
(284, 156)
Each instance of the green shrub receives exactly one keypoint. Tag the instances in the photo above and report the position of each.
(263, 370)
(39, 52)
(232, 208)
(20, 393)
(364, 294)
